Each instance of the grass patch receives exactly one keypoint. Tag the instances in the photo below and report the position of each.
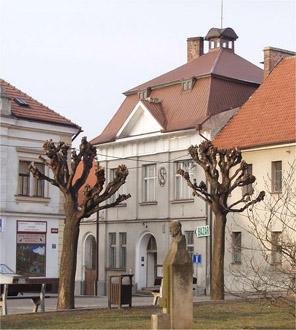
(224, 315)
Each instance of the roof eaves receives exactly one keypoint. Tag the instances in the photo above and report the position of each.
(47, 121)
(267, 144)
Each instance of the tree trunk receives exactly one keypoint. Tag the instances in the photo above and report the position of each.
(217, 266)
(68, 265)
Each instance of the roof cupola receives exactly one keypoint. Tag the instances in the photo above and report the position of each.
(221, 38)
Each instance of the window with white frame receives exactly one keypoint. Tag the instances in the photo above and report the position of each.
(120, 191)
(122, 250)
(182, 191)
(236, 238)
(112, 250)
(189, 235)
(28, 185)
(276, 248)
(149, 183)
(276, 176)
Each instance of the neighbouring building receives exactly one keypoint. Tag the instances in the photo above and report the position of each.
(150, 133)
(265, 130)
(31, 210)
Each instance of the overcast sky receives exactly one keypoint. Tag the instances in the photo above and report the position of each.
(78, 56)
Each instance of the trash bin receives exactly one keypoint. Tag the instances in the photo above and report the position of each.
(120, 290)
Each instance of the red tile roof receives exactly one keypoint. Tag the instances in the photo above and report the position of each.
(269, 116)
(91, 180)
(183, 109)
(35, 111)
(156, 110)
(221, 62)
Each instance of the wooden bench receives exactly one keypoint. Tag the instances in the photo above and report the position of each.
(12, 291)
(157, 293)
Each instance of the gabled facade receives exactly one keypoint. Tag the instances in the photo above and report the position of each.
(31, 210)
(265, 130)
(150, 134)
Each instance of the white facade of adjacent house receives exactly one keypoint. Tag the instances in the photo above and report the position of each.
(245, 257)
(31, 211)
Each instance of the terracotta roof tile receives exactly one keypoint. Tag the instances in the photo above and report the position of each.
(36, 111)
(269, 116)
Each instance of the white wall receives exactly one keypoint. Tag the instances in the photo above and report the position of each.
(23, 140)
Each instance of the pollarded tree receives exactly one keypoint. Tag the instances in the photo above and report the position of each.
(224, 171)
(66, 178)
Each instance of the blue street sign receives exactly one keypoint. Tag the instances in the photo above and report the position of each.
(196, 258)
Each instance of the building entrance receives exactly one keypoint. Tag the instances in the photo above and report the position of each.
(146, 261)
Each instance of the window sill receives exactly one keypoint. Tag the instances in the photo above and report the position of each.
(148, 203)
(116, 269)
(181, 201)
(31, 199)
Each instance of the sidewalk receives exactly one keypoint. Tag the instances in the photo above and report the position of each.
(20, 306)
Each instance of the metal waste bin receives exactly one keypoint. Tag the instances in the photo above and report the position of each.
(120, 290)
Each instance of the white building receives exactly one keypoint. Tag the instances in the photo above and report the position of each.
(265, 130)
(31, 211)
(150, 134)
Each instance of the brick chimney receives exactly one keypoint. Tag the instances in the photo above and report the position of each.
(5, 103)
(195, 48)
(272, 57)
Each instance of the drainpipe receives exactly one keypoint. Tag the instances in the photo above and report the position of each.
(209, 222)
(97, 263)
(75, 136)
(199, 127)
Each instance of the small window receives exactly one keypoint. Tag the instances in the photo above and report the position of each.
(276, 248)
(29, 185)
(24, 178)
(236, 247)
(276, 177)
(122, 250)
(145, 93)
(21, 102)
(189, 235)
(188, 84)
(248, 188)
(182, 191)
(112, 250)
(149, 173)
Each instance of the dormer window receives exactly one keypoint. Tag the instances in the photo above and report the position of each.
(144, 94)
(188, 84)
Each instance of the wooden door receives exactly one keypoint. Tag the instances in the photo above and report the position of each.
(90, 281)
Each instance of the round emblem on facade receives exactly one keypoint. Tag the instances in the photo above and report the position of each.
(162, 176)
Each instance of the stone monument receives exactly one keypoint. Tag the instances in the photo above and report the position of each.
(176, 300)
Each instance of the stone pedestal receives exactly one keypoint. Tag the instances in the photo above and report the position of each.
(160, 321)
(176, 300)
